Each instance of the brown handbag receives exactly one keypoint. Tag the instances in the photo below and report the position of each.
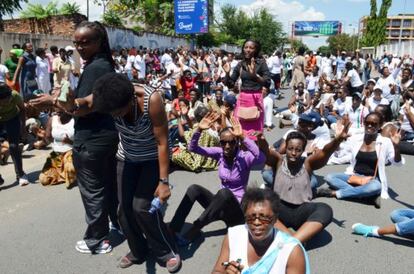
(248, 113)
(356, 180)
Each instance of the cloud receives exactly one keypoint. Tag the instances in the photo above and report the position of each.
(285, 11)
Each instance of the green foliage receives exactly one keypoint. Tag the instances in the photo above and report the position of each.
(342, 42)
(10, 6)
(261, 27)
(324, 50)
(154, 15)
(69, 8)
(39, 11)
(111, 18)
(376, 24)
(296, 44)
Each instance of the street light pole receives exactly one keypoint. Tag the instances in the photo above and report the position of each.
(87, 10)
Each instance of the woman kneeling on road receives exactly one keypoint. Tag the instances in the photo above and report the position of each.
(257, 246)
(293, 183)
(368, 161)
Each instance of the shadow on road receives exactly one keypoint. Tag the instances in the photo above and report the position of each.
(320, 240)
(394, 196)
(9, 186)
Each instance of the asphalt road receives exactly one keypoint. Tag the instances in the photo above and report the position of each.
(39, 227)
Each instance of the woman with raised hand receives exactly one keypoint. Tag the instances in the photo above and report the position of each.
(234, 170)
(254, 74)
(369, 157)
(293, 183)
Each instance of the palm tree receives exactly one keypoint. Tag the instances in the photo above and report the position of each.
(8, 7)
(70, 8)
(40, 12)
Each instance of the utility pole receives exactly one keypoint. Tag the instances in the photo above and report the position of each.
(87, 10)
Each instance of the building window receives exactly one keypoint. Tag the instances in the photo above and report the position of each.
(396, 23)
(405, 33)
(395, 33)
(407, 23)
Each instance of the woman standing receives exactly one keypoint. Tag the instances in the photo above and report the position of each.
(12, 119)
(143, 165)
(26, 72)
(42, 70)
(254, 74)
(95, 140)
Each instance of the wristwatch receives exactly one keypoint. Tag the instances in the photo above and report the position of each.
(164, 181)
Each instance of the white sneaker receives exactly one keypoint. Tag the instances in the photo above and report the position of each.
(24, 181)
(103, 248)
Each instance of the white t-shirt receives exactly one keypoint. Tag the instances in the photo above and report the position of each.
(357, 116)
(130, 60)
(312, 82)
(354, 78)
(139, 64)
(374, 103)
(166, 60)
(384, 84)
(405, 124)
(3, 71)
(275, 64)
(340, 106)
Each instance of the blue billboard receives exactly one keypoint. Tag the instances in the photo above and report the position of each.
(316, 28)
(191, 16)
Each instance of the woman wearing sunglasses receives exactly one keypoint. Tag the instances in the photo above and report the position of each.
(234, 166)
(369, 157)
(257, 246)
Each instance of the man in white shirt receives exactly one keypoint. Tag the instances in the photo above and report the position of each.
(352, 76)
(275, 67)
(4, 73)
(139, 65)
(166, 59)
(377, 99)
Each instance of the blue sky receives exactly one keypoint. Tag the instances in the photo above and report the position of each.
(287, 11)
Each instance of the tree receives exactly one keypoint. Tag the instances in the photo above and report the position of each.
(112, 18)
(8, 7)
(324, 50)
(153, 15)
(69, 8)
(342, 42)
(375, 33)
(39, 11)
(296, 44)
(261, 27)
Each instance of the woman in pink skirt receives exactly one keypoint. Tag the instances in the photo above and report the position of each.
(254, 74)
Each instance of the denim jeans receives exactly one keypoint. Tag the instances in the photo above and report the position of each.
(339, 181)
(404, 221)
(331, 119)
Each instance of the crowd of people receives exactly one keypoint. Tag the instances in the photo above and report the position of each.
(119, 121)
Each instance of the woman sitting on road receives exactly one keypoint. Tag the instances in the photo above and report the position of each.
(293, 183)
(403, 225)
(257, 246)
(234, 170)
(59, 165)
(369, 157)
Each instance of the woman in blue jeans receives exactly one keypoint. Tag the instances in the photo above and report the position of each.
(373, 150)
(403, 225)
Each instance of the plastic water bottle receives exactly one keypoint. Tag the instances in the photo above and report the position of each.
(155, 205)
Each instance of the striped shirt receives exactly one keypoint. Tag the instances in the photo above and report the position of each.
(137, 141)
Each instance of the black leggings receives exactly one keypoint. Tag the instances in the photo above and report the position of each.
(406, 148)
(12, 128)
(295, 216)
(222, 206)
(137, 183)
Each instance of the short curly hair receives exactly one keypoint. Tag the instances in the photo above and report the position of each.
(111, 92)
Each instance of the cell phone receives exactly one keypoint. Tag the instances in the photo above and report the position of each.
(64, 90)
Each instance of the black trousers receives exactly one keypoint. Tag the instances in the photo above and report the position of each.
(96, 177)
(222, 206)
(137, 183)
(12, 128)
